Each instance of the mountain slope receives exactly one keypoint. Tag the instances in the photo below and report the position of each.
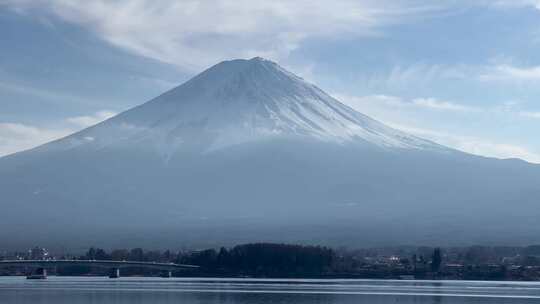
(240, 101)
(249, 151)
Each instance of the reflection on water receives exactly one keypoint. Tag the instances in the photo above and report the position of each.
(190, 291)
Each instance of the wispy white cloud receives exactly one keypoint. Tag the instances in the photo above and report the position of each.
(89, 120)
(194, 34)
(417, 74)
(15, 137)
(390, 110)
(512, 108)
(57, 97)
(502, 71)
(535, 115)
(474, 145)
(506, 72)
(441, 105)
(419, 103)
(516, 3)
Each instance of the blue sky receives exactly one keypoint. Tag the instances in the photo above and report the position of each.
(463, 73)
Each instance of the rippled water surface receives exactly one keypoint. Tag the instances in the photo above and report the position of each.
(189, 291)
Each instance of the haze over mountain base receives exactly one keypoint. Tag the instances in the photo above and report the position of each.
(246, 151)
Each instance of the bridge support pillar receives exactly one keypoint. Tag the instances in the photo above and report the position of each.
(115, 273)
(38, 274)
(166, 274)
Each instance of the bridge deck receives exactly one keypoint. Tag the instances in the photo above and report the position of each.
(95, 263)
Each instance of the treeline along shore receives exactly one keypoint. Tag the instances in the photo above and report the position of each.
(269, 260)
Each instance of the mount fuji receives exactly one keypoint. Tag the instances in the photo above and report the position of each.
(247, 151)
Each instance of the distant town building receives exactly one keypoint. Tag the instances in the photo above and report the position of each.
(38, 253)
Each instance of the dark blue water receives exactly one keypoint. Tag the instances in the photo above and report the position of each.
(75, 290)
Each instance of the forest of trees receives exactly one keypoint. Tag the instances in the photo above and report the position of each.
(264, 259)
(260, 259)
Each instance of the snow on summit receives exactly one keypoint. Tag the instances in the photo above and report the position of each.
(239, 101)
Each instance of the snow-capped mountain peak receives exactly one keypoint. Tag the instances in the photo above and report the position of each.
(241, 101)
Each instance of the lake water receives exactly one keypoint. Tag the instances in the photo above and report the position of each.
(78, 290)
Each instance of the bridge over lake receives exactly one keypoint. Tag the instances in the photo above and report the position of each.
(40, 266)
